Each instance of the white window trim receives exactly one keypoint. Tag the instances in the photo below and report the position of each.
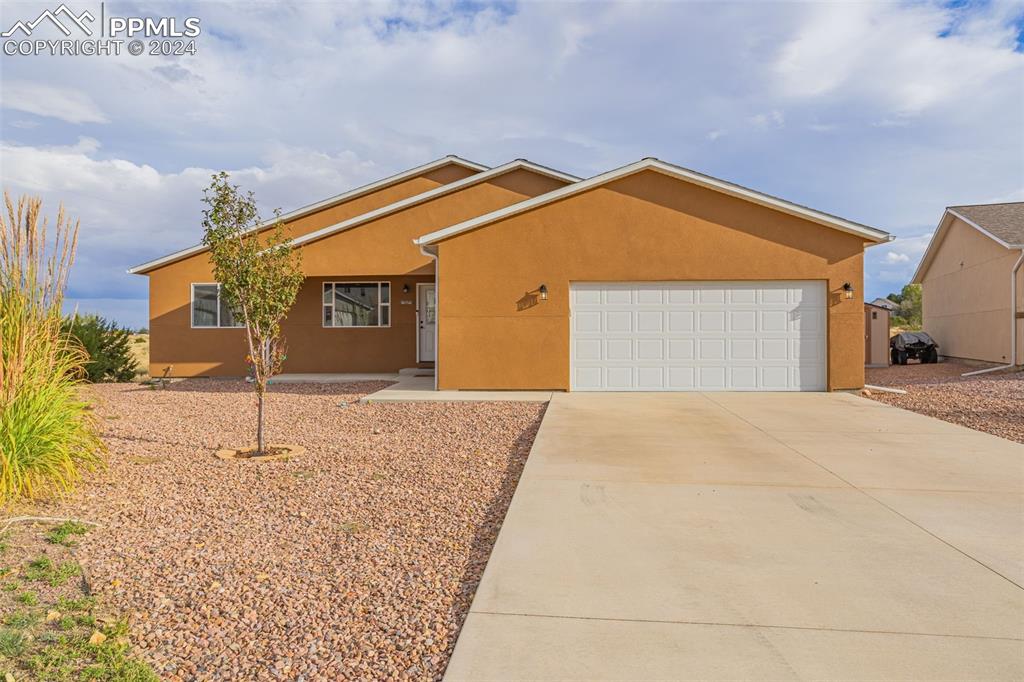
(192, 303)
(380, 305)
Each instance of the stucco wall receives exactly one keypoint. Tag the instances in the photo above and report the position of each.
(966, 295)
(379, 250)
(876, 328)
(644, 227)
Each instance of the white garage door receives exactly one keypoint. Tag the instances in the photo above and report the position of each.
(698, 336)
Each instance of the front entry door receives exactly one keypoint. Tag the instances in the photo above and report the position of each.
(426, 315)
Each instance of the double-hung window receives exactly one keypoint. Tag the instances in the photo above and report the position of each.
(209, 309)
(357, 304)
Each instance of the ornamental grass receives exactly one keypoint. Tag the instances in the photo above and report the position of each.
(48, 434)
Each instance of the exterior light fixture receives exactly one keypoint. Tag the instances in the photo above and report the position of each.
(543, 292)
(848, 290)
(405, 288)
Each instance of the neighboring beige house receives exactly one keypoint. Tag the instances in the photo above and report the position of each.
(876, 335)
(972, 283)
(884, 303)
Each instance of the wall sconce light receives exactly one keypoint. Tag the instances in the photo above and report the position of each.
(405, 288)
(543, 292)
(848, 290)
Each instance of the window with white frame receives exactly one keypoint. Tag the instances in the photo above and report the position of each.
(357, 304)
(209, 309)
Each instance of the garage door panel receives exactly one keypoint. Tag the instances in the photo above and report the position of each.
(619, 378)
(681, 321)
(650, 378)
(741, 321)
(618, 295)
(650, 321)
(775, 378)
(743, 349)
(650, 349)
(587, 321)
(681, 349)
(711, 321)
(678, 296)
(679, 336)
(681, 378)
(743, 378)
(618, 321)
(588, 349)
(617, 350)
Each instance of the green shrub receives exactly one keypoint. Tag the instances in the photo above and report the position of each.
(108, 346)
(47, 431)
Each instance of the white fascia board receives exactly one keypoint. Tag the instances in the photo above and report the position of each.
(940, 233)
(870, 233)
(310, 208)
(429, 195)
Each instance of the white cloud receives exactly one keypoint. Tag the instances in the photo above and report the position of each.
(66, 104)
(132, 212)
(893, 55)
(358, 91)
(772, 118)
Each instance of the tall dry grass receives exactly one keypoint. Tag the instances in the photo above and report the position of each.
(48, 435)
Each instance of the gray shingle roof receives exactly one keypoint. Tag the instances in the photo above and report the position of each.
(1005, 221)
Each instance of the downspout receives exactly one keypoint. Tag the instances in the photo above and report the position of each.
(1013, 322)
(437, 300)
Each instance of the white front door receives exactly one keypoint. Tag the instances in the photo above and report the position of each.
(699, 336)
(426, 316)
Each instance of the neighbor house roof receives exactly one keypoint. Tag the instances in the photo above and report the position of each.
(518, 164)
(451, 159)
(828, 220)
(1002, 223)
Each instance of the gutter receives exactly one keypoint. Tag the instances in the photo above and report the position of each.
(1013, 322)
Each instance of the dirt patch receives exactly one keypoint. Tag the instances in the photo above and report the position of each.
(357, 560)
(992, 402)
(51, 626)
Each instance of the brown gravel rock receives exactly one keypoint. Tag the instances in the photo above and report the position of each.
(992, 402)
(356, 561)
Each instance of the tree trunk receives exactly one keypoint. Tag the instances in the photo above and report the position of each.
(260, 445)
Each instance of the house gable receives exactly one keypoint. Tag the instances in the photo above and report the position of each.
(981, 244)
(315, 216)
(383, 245)
(869, 234)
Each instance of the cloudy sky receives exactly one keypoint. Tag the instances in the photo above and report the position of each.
(883, 113)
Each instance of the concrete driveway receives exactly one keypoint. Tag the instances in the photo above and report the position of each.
(765, 536)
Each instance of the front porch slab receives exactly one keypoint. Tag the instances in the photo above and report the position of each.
(329, 378)
(421, 389)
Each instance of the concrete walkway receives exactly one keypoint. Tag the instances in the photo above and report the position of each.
(421, 389)
(753, 536)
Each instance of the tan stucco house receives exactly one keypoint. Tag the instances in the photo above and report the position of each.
(972, 283)
(647, 277)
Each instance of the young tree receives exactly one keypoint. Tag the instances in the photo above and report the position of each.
(259, 277)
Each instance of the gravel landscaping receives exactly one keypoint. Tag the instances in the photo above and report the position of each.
(992, 402)
(357, 560)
